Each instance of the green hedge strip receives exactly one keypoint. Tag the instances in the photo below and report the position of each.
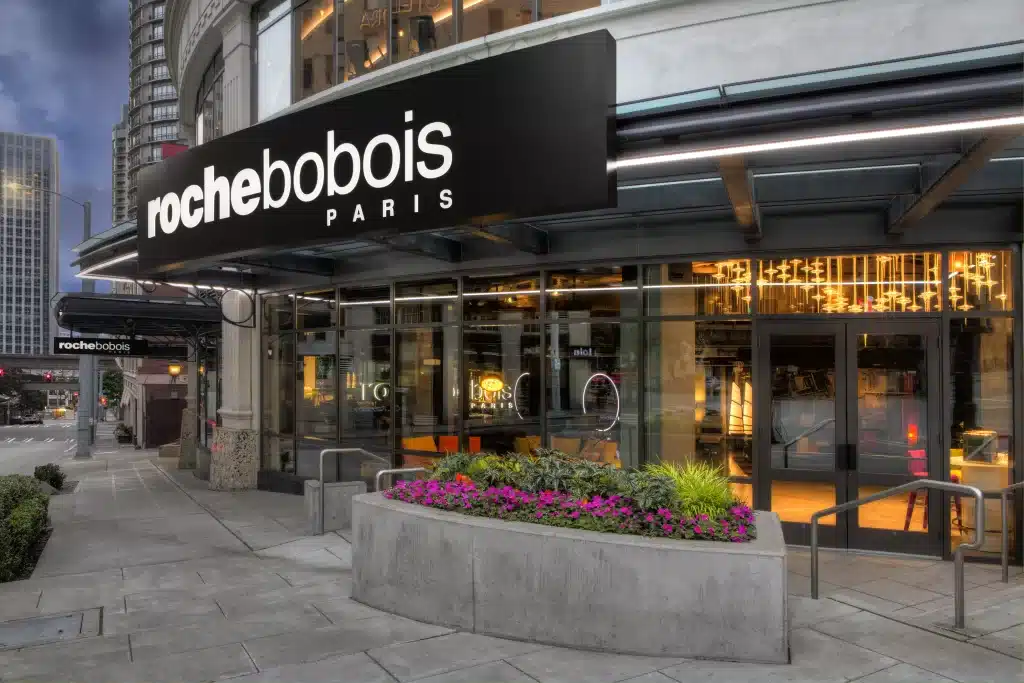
(23, 518)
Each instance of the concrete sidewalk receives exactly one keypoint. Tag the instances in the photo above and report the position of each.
(168, 581)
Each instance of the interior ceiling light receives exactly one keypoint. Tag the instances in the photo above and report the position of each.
(818, 141)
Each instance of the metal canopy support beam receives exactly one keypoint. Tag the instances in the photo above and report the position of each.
(440, 248)
(740, 189)
(937, 185)
(522, 236)
(291, 263)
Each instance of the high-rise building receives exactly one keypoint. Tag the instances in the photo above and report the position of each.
(29, 220)
(153, 104)
(119, 168)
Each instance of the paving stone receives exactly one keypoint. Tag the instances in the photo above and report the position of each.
(815, 658)
(447, 653)
(492, 672)
(365, 634)
(238, 604)
(55, 661)
(904, 673)
(959, 661)
(805, 611)
(797, 584)
(894, 591)
(341, 610)
(161, 577)
(865, 601)
(19, 605)
(355, 668)
(653, 677)
(1009, 641)
(558, 665)
(210, 664)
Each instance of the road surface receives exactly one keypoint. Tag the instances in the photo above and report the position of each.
(23, 447)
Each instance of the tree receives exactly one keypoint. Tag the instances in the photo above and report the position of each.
(113, 386)
(33, 400)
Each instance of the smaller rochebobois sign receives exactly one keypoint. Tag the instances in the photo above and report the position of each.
(98, 346)
(526, 133)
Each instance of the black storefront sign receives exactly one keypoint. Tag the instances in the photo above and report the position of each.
(99, 346)
(527, 133)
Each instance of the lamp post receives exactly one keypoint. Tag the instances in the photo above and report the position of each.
(86, 364)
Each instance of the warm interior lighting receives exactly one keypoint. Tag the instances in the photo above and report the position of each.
(492, 383)
(173, 369)
(317, 21)
(818, 141)
(911, 434)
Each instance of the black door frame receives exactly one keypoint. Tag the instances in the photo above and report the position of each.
(845, 533)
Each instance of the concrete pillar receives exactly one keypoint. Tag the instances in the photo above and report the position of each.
(237, 48)
(235, 460)
(189, 439)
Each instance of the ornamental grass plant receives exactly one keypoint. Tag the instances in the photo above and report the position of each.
(688, 502)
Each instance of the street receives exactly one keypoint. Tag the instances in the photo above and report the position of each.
(23, 447)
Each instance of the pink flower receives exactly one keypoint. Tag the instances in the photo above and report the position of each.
(667, 528)
(649, 517)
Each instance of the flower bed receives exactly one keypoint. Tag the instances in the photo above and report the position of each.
(662, 516)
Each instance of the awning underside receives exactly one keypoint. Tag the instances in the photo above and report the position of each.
(138, 316)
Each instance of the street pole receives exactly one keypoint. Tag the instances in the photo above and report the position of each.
(86, 372)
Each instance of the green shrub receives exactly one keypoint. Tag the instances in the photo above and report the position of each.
(51, 474)
(702, 488)
(23, 516)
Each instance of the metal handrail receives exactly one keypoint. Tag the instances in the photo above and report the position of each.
(328, 451)
(1004, 535)
(785, 447)
(958, 555)
(400, 470)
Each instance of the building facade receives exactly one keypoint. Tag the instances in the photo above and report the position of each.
(29, 231)
(808, 271)
(153, 100)
(119, 168)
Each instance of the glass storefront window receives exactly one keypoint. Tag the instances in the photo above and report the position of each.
(556, 8)
(315, 310)
(485, 17)
(427, 389)
(365, 307)
(364, 38)
(501, 298)
(421, 26)
(502, 364)
(698, 288)
(602, 292)
(364, 364)
(980, 281)
(278, 313)
(592, 391)
(209, 103)
(274, 52)
(434, 301)
(314, 29)
(981, 425)
(278, 393)
(872, 283)
(699, 394)
(316, 417)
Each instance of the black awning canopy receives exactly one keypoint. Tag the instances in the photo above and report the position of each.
(137, 316)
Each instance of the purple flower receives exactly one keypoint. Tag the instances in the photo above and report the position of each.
(667, 528)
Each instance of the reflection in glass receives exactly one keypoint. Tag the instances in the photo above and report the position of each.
(892, 404)
(364, 37)
(592, 292)
(698, 288)
(556, 8)
(981, 363)
(503, 379)
(365, 307)
(314, 27)
(699, 394)
(796, 501)
(906, 512)
(427, 388)
(484, 17)
(278, 313)
(803, 406)
(279, 403)
(513, 297)
(316, 410)
(364, 364)
(315, 310)
(876, 283)
(421, 26)
(980, 281)
(743, 492)
(274, 66)
(592, 387)
(427, 302)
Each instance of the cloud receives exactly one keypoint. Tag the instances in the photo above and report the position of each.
(23, 38)
(8, 111)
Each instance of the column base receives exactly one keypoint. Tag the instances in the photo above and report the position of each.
(188, 441)
(234, 461)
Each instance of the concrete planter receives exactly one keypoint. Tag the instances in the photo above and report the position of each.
(573, 588)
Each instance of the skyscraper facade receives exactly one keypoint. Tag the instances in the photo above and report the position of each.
(119, 168)
(153, 103)
(29, 220)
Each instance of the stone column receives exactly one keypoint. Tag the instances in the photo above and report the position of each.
(236, 29)
(188, 442)
(234, 460)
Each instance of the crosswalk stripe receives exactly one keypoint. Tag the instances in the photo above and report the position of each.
(49, 440)
(28, 439)
(10, 439)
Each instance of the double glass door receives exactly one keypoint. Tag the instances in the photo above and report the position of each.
(852, 409)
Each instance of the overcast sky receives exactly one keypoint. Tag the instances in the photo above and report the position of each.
(64, 72)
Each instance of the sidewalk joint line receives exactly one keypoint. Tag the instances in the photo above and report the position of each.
(249, 655)
(534, 679)
(322, 613)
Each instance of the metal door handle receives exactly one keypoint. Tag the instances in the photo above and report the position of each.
(851, 455)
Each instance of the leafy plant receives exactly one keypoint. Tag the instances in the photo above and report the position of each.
(23, 515)
(702, 488)
(51, 474)
(123, 431)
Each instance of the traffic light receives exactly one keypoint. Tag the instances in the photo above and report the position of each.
(48, 377)
(1, 372)
(103, 401)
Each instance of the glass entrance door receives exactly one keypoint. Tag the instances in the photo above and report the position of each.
(851, 410)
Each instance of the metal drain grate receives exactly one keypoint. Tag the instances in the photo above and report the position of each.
(50, 628)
